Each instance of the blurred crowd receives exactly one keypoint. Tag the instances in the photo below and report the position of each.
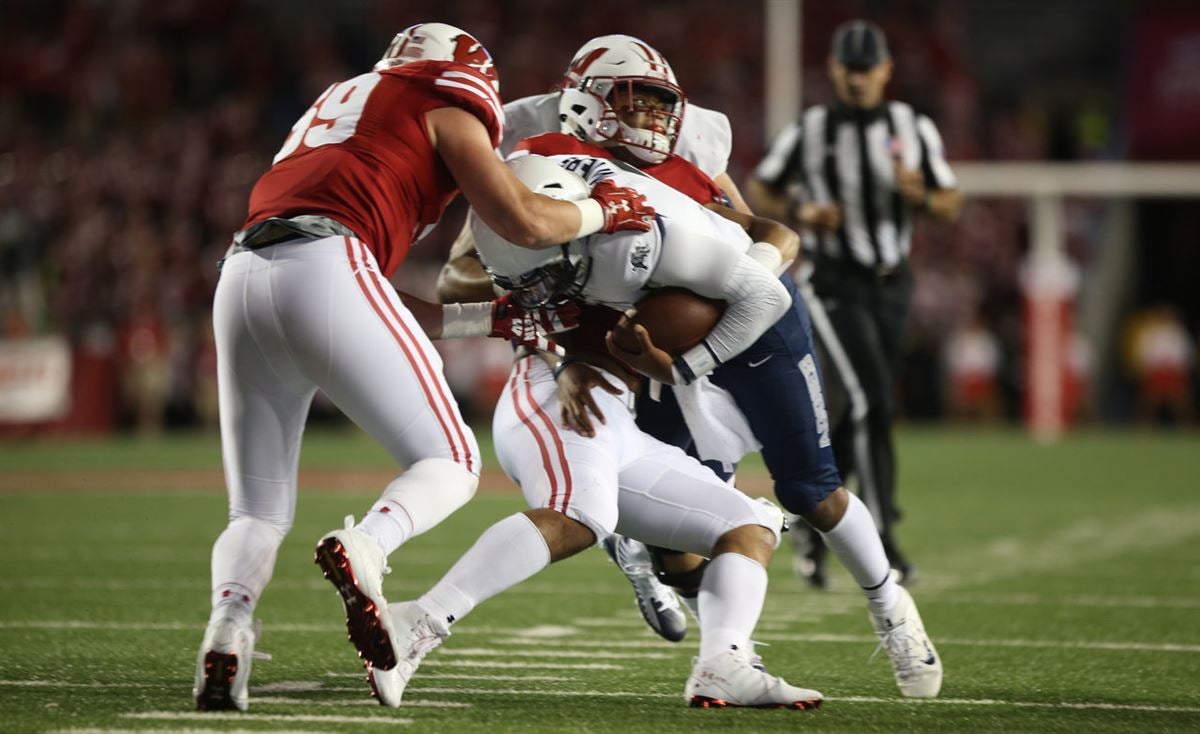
(132, 131)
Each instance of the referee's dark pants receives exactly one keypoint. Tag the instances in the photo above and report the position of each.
(860, 343)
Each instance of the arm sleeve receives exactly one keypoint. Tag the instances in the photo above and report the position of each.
(717, 268)
(933, 161)
(782, 165)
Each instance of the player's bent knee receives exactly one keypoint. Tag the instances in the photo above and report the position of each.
(756, 542)
(564, 535)
(802, 496)
(683, 571)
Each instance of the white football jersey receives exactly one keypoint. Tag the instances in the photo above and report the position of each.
(705, 138)
(623, 264)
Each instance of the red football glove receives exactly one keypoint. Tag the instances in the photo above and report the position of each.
(624, 209)
(530, 328)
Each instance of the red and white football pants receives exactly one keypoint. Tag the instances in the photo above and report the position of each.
(317, 314)
(621, 479)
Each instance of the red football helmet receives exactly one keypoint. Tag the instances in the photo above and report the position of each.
(439, 42)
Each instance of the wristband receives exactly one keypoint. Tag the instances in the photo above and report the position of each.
(694, 364)
(466, 319)
(562, 365)
(591, 217)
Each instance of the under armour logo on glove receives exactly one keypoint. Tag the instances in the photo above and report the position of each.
(530, 328)
(624, 209)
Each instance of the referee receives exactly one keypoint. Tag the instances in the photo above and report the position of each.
(854, 174)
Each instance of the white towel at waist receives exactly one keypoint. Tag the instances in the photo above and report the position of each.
(717, 425)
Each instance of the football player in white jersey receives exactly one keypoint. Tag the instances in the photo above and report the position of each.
(580, 488)
(695, 134)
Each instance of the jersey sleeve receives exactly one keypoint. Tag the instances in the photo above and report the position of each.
(933, 158)
(705, 140)
(526, 117)
(462, 86)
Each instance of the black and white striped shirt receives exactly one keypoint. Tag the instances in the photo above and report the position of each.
(838, 154)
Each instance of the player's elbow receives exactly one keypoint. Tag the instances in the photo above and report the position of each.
(776, 299)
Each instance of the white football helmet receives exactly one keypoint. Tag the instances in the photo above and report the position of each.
(615, 75)
(536, 278)
(439, 42)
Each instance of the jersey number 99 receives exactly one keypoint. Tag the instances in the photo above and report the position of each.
(332, 118)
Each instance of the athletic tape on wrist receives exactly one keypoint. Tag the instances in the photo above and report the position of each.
(461, 320)
(591, 217)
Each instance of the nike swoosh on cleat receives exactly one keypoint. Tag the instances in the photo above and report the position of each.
(759, 362)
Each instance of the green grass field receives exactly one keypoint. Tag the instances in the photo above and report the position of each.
(1061, 585)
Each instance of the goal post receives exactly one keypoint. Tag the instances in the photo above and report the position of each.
(1050, 280)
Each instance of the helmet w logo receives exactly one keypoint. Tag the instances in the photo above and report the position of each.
(470, 52)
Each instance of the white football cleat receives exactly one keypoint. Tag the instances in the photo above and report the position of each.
(223, 666)
(737, 678)
(418, 632)
(354, 563)
(917, 665)
(656, 601)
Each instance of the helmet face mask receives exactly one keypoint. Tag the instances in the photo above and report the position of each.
(618, 80)
(439, 42)
(547, 285)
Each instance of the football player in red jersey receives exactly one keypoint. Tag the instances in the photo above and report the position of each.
(620, 99)
(303, 304)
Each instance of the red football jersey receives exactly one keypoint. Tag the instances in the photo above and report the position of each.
(678, 173)
(361, 155)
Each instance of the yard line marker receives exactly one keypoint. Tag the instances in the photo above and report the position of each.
(487, 651)
(65, 684)
(469, 676)
(1047, 644)
(1076, 705)
(187, 731)
(305, 718)
(290, 700)
(502, 665)
(653, 643)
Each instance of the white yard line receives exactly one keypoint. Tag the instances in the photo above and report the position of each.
(420, 703)
(188, 730)
(508, 653)
(471, 676)
(501, 665)
(245, 717)
(950, 641)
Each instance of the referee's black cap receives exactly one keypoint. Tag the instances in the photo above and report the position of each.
(859, 45)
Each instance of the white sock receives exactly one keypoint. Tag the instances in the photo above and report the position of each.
(506, 554)
(243, 559)
(418, 500)
(855, 542)
(731, 599)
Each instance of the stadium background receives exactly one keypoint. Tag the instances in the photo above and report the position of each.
(130, 133)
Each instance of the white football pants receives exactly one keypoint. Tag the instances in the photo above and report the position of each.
(621, 479)
(317, 314)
